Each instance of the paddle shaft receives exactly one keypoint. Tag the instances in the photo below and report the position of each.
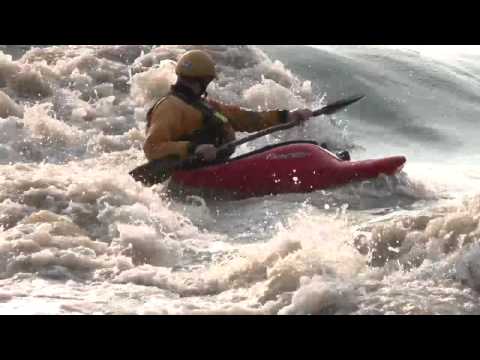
(326, 110)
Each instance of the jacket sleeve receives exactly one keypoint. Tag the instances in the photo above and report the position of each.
(247, 120)
(161, 135)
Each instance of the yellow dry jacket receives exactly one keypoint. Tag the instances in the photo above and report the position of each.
(176, 126)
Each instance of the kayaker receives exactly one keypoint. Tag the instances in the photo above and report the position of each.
(186, 122)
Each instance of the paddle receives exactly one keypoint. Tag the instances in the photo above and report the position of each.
(158, 171)
(326, 110)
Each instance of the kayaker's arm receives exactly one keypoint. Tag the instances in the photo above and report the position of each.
(248, 120)
(160, 141)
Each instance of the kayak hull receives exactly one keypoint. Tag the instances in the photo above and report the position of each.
(298, 167)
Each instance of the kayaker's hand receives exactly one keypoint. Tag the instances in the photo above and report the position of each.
(300, 116)
(206, 152)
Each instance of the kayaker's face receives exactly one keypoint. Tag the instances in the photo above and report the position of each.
(198, 85)
(204, 83)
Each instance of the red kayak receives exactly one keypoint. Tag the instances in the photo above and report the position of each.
(296, 167)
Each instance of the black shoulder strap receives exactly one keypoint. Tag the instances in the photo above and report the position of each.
(207, 111)
(199, 104)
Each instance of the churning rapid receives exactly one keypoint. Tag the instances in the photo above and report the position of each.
(79, 236)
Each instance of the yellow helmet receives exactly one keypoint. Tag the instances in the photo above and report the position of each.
(196, 64)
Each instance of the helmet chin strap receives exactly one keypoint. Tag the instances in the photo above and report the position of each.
(204, 86)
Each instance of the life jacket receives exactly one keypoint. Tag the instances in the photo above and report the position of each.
(213, 130)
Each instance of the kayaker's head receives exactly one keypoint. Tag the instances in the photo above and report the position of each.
(196, 69)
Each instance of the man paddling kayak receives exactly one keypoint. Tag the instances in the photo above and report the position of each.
(186, 123)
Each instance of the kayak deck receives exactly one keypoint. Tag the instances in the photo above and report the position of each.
(293, 167)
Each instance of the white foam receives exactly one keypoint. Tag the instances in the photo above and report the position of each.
(154, 83)
(320, 296)
(8, 107)
(45, 127)
(29, 82)
(8, 68)
(270, 95)
(148, 246)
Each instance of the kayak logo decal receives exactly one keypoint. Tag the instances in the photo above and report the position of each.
(295, 155)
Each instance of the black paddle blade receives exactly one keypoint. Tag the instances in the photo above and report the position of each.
(158, 171)
(338, 105)
(154, 172)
